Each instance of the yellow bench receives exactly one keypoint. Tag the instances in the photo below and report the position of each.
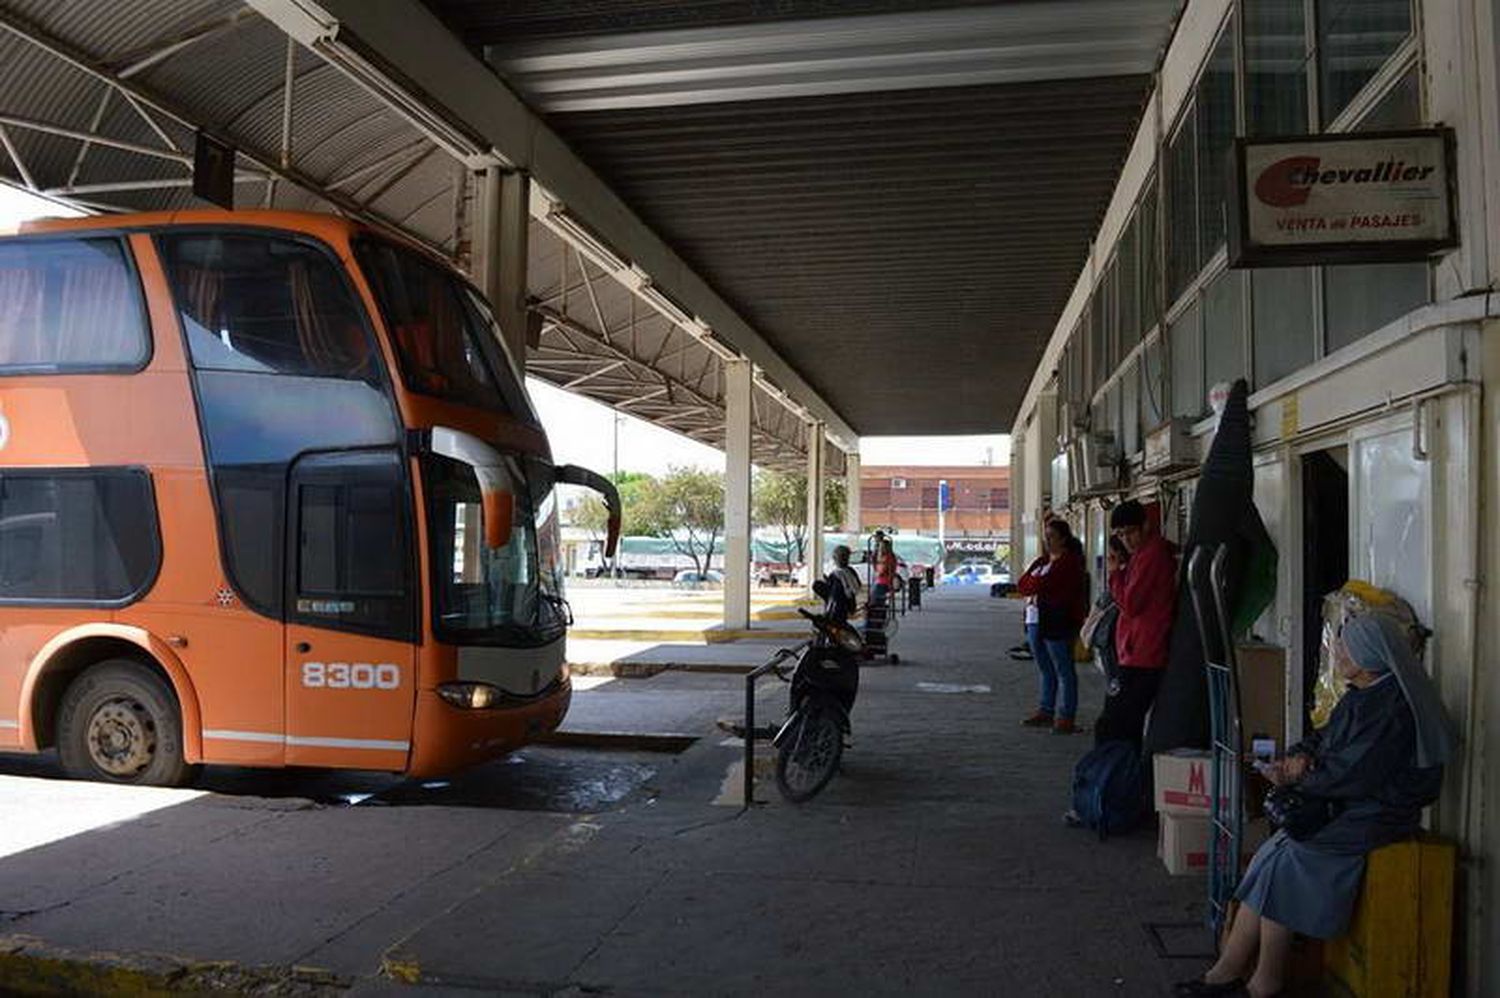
(1400, 943)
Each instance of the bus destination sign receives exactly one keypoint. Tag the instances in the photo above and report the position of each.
(1358, 198)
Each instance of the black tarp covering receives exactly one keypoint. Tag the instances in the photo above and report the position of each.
(1223, 513)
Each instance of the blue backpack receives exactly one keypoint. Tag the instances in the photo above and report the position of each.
(1107, 788)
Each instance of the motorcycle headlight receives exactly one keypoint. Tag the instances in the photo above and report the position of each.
(848, 639)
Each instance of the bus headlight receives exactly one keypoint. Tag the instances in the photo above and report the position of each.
(469, 696)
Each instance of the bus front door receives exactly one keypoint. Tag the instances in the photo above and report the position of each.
(351, 627)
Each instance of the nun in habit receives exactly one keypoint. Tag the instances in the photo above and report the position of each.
(1380, 760)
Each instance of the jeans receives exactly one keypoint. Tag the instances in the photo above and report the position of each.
(1054, 664)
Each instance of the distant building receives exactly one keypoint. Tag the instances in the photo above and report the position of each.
(905, 497)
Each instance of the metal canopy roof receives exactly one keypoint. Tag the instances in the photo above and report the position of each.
(100, 111)
(897, 195)
(899, 249)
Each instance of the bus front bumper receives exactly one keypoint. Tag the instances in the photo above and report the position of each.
(449, 738)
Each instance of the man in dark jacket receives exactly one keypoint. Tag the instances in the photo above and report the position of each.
(1145, 590)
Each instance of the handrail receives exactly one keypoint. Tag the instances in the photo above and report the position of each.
(750, 679)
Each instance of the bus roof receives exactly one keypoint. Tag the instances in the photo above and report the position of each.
(323, 226)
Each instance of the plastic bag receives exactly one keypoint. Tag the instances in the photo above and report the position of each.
(1339, 607)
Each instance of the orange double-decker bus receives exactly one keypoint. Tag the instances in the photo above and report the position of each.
(271, 494)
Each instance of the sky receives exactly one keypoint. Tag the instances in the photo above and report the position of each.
(16, 206)
(584, 432)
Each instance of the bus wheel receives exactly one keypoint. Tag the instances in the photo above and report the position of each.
(119, 723)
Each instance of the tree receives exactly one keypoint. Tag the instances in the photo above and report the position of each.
(592, 515)
(835, 502)
(685, 507)
(780, 501)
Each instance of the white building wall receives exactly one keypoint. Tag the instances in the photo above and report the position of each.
(1415, 404)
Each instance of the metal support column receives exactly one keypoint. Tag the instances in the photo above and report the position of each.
(502, 205)
(738, 385)
(851, 501)
(815, 484)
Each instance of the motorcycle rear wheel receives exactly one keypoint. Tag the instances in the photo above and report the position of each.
(810, 755)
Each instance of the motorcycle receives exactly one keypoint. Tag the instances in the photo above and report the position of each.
(810, 743)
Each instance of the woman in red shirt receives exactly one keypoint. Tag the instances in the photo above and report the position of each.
(885, 572)
(1057, 591)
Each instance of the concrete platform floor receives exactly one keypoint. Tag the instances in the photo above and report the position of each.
(935, 864)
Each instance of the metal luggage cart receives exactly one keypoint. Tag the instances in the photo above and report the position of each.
(1206, 581)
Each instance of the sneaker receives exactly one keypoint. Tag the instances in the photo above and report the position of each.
(1071, 819)
(1064, 726)
(1041, 719)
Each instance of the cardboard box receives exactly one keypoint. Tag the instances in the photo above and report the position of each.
(1182, 842)
(1182, 778)
(1262, 694)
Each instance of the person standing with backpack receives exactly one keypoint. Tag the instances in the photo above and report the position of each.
(1056, 587)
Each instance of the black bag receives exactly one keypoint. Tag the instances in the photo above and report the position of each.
(1300, 815)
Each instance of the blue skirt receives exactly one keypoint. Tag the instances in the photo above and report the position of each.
(1309, 890)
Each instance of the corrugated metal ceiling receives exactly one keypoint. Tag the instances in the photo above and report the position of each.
(907, 252)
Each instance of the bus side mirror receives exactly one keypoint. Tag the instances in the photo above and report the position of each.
(497, 502)
(572, 474)
(499, 509)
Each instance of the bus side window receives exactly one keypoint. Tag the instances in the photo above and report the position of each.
(71, 536)
(70, 305)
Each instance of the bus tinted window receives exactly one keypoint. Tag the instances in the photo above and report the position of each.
(353, 564)
(69, 305)
(73, 536)
(284, 363)
(500, 596)
(445, 346)
(260, 304)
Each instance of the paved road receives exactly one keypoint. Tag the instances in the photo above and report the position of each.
(934, 864)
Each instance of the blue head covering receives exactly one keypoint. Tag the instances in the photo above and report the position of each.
(1379, 644)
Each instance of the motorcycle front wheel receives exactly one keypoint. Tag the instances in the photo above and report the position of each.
(809, 756)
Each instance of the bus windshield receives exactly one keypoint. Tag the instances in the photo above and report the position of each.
(445, 336)
(510, 595)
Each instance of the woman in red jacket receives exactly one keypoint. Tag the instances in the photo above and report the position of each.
(1057, 591)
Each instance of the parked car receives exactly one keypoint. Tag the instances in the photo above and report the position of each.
(688, 579)
(974, 575)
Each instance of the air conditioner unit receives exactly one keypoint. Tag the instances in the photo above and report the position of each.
(1096, 463)
(898, 483)
(1099, 449)
(1170, 447)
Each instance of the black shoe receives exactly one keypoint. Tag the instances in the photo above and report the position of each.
(1197, 987)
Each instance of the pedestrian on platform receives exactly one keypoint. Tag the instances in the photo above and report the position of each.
(847, 580)
(885, 571)
(1057, 601)
(1362, 782)
(1145, 590)
(1099, 630)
